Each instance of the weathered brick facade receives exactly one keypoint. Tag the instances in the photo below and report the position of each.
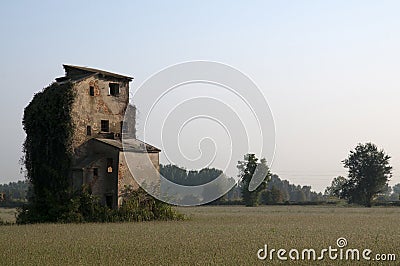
(101, 100)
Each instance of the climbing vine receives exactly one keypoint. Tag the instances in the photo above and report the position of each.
(47, 151)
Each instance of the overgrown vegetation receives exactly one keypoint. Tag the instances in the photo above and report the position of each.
(140, 206)
(49, 128)
(137, 206)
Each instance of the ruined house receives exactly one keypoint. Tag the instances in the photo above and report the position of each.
(99, 158)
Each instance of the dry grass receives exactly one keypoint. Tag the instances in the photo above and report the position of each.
(213, 235)
(8, 214)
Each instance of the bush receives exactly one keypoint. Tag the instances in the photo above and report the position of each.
(83, 207)
(140, 206)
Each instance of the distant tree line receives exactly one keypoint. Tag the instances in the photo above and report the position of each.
(181, 176)
(14, 192)
(272, 191)
(279, 191)
(184, 177)
(366, 184)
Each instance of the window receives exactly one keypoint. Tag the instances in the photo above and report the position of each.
(114, 89)
(95, 171)
(124, 127)
(109, 165)
(109, 201)
(88, 131)
(105, 125)
(91, 91)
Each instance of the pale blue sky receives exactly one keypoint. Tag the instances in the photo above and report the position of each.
(327, 69)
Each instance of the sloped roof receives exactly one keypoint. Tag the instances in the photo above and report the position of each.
(91, 71)
(129, 145)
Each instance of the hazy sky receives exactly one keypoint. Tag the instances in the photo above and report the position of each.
(329, 69)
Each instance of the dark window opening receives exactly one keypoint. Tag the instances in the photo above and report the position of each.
(109, 201)
(105, 125)
(124, 127)
(95, 171)
(91, 91)
(109, 165)
(114, 89)
(77, 179)
(88, 130)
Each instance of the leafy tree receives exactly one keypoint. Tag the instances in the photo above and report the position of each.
(282, 185)
(317, 196)
(219, 189)
(235, 193)
(395, 192)
(272, 196)
(276, 195)
(15, 191)
(396, 188)
(335, 189)
(181, 176)
(248, 168)
(385, 193)
(307, 192)
(299, 196)
(369, 172)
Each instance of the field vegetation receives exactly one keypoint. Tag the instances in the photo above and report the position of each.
(212, 235)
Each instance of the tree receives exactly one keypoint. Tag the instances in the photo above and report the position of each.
(181, 176)
(272, 196)
(15, 191)
(384, 194)
(369, 172)
(335, 189)
(395, 192)
(248, 168)
(396, 188)
(299, 195)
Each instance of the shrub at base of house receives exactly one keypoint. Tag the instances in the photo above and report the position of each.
(84, 207)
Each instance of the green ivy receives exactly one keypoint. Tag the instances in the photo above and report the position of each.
(48, 125)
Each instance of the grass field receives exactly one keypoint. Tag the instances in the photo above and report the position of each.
(8, 214)
(212, 235)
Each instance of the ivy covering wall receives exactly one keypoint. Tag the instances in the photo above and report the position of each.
(47, 148)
